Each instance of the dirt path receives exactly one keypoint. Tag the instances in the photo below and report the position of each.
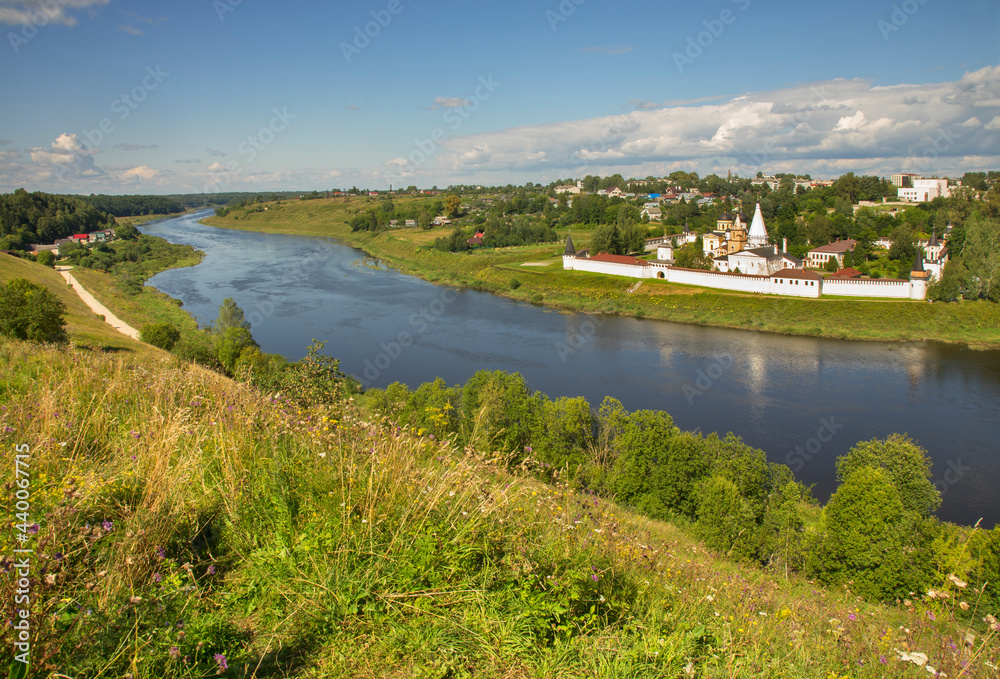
(98, 308)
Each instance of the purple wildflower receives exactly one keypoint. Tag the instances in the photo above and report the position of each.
(157, 577)
(58, 556)
(852, 617)
(211, 570)
(930, 614)
(107, 525)
(162, 553)
(882, 660)
(33, 528)
(174, 653)
(221, 660)
(594, 577)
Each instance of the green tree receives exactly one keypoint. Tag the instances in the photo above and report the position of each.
(848, 259)
(424, 220)
(726, 521)
(499, 413)
(870, 538)
(162, 335)
(126, 231)
(452, 205)
(232, 343)
(230, 316)
(905, 463)
(831, 264)
(46, 258)
(31, 312)
(981, 255)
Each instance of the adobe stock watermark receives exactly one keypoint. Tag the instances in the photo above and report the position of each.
(956, 472)
(577, 337)
(563, 11)
(419, 322)
(797, 459)
(250, 147)
(707, 377)
(714, 28)
(122, 107)
(224, 7)
(901, 13)
(24, 528)
(363, 36)
(454, 117)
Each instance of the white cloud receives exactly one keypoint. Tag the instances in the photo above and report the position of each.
(68, 155)
(216, 167)
(42, 12)
(450, 102)
(814, 127)
(141, 173)
(132, 30)
(395, 162)
(134, 147)
(215, 154)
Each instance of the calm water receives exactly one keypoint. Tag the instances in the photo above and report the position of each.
(778, 393)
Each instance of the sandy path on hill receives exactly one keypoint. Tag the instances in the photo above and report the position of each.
(98, 308)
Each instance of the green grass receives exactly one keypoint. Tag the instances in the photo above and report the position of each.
(974, 323)
(83, 326)
(315, 542)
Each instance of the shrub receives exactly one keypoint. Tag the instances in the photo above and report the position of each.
(31, 312)
(514, 284)
(904, 462)
(162, 335)
(46, 258)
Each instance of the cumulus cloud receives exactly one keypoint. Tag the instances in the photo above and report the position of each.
(66, 156)
(139, 174)
(820, 127)
(395, 162)
(42, 12)
(216, 167)
(450, 102)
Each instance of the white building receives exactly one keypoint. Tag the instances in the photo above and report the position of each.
(924, 190)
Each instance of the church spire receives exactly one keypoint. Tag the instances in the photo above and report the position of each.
(570, 251)
(757, 237)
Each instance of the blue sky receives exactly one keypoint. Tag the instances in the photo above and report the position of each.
(160, 97)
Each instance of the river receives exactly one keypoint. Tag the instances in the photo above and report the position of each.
(804, 400)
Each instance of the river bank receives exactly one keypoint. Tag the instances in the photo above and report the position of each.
(534, 274)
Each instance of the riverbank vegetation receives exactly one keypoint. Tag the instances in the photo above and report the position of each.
(191, 525)
(534, 273)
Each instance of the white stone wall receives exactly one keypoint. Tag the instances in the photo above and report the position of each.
(862, 287)
(792, 287)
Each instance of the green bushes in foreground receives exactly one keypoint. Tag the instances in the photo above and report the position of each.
(877, 534)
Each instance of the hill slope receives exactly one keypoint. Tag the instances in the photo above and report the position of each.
(188, 525)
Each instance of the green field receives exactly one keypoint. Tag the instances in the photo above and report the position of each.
(974, 323)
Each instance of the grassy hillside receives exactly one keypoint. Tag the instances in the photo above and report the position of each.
(534, 273)
(84, 327)
(189, 526)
